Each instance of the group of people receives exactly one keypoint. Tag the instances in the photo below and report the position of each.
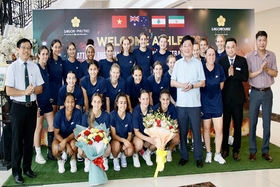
(200, 83)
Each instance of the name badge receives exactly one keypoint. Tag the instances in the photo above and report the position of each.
(237, 68)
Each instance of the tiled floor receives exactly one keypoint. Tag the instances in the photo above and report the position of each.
(254, 178)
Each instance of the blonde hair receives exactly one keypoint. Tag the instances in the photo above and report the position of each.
(163, 36)
(220, 35)
(169, 57)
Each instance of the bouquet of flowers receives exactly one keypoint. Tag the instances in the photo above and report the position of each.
(94, 141)
(162, 128)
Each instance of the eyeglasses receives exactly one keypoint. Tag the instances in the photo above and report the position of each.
(25, 48)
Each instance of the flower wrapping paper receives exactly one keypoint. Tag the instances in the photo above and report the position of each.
(94, 153)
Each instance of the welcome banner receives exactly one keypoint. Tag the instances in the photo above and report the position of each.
(110, 25)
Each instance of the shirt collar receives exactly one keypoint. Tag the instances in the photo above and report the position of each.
(22, 62)
(231, 58)
(256, 53)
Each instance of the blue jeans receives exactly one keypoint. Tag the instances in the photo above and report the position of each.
(258, 99)
(192, 115)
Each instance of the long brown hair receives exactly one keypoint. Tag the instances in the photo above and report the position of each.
(121, 94)
(91, 116)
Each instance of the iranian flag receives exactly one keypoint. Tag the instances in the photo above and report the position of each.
(176, 21)
(158, 21)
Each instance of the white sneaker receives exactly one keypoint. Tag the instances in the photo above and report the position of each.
(40, 159)
(136, 162)
(208, 157)
(79, 158)
(147, 157)
(218, 158)
(111, 156)
(123, 160)
(64, 156)
(105, 163)
(169, 156)
(87, 165)
(60, 164)
(73, 164)
(116, 163)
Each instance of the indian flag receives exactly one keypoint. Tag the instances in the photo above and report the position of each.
(176, 21)
(158, 21)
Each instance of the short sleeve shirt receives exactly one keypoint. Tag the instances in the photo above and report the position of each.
(15, 78)
(191, 72)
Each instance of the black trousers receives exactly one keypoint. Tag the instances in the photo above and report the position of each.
(234, 111)
(23, 122)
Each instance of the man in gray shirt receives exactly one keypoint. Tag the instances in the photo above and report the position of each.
(262, 70)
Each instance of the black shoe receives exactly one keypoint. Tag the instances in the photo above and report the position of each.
(182, 162)
(199, 163)
(18, 179)
(30, 174)
(49, 155)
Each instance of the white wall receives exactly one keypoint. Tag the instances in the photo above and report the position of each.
(268, 21)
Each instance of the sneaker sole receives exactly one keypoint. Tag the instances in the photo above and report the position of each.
(220, 162)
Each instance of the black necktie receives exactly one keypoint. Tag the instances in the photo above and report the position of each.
(231, 61)
(27, 97)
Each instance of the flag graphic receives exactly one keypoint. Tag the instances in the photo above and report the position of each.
(176, 21)
(139, 21)
(158, 21)
(119, 22)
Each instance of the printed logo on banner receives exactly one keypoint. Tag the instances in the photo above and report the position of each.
(76, 31)
(119, 22)
(138, 21)
(176, 21)
(158, 21)
(75, 22)
(221, 21)
(221, 29)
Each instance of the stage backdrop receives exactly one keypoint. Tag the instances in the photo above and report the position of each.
(110, 25)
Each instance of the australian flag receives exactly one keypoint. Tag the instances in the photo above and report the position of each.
(139, 21)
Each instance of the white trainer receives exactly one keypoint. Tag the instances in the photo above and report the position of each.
(60, 164)
(64, 156)
(136, 162)
(147, 157)
(40, 159)
(208, 157)
(169, 156)
(218, 158)
(73, 164)
(87, 165)
(123, 160)
(111, 156)
(116, 163)
(105, 163)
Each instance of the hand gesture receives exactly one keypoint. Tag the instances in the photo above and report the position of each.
(186, 87)
(230, 71)
(126, 144)
(29, 90)
(263, 66)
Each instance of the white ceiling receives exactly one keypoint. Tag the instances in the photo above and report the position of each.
(258, 5)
